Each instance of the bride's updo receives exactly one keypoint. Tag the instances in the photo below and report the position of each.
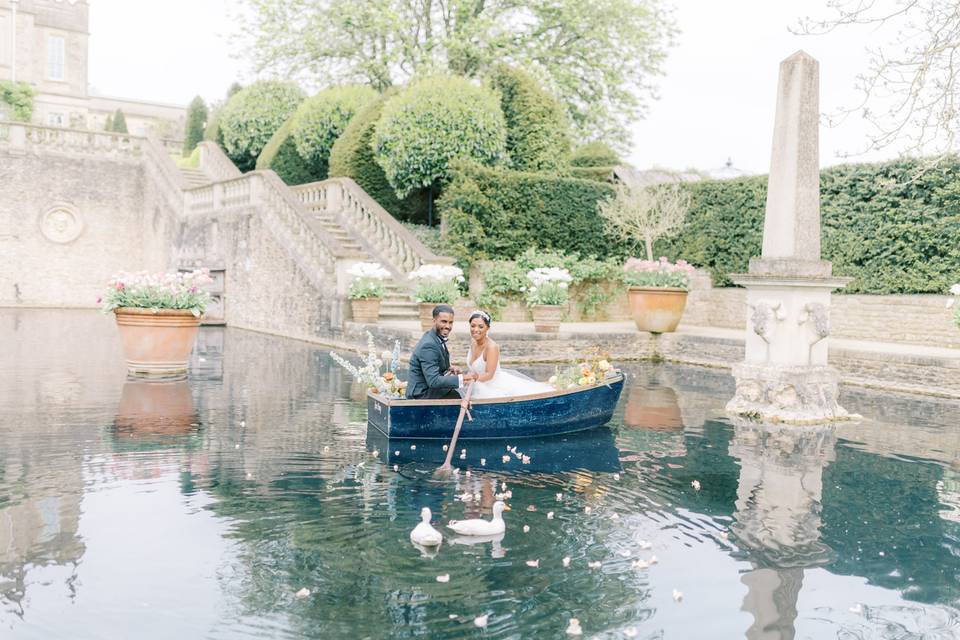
(483, 315)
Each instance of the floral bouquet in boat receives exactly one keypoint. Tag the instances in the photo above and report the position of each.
(952, 303)
(369, 374)
(171, 290)
(548, 286)
(658, 273)
(590, 371)
(367, 280)
(437, 283)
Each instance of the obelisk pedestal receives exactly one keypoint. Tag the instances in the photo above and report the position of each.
(784, 376)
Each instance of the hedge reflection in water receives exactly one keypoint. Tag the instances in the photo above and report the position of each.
(270, 440)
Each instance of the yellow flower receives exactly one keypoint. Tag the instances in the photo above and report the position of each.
(582, 381)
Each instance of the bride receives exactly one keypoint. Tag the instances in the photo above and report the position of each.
(483, 360)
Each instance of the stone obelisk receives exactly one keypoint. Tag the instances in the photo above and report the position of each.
(784, 376)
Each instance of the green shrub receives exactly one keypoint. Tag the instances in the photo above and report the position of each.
(320, 120)
(119, 122)
(196, 118)
(352, 157)
(497, 213)
(597, 174)
(19, 96)
(594, 154)
(890, 226)
(280, 154)
(252, 115)
(537, 130)
(433, 122)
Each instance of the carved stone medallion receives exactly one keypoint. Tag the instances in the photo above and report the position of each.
(61, 223)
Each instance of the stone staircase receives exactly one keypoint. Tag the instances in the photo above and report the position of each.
(194, 177)
(326, 225)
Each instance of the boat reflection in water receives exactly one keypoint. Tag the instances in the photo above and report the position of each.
(592, 450)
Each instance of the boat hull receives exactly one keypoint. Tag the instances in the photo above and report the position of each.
(539, 415)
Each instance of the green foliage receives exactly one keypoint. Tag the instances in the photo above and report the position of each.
(594, 154)
(280, 154)
(320, 120)
(108, 123)
(196, 119)
(891, 226)
(599, 57)
(191, 161)
(252, 115)
(352, 156)
(599, 174)
(495, 213)
(433, 122)
(19, 96)
(119, 122)
(212, 131)
(537, 130)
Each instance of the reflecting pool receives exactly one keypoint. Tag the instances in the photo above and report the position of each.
(200, 508)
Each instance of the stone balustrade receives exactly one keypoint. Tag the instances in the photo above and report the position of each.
(25, 137)
(378, 231)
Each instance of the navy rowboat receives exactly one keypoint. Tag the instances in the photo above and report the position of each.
(541, 414)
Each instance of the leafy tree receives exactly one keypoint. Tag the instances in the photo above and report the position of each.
(196, 119)
(280, 154)
(108, 123)
(538, 136)
(320, 120)
(19, 96)
(252, 115)
(352, 156)
(433, 122)
(641, 215)
(119, 122)
(595, 154)
(599, 57)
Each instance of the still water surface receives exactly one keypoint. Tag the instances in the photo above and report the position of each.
(199, 509)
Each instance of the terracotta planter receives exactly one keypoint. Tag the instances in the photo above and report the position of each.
(655, 409)
(546, 318)
(426, 314)
(657, 309)
(366, 310)
(157, 343)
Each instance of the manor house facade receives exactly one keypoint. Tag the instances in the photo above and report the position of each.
(45, 44)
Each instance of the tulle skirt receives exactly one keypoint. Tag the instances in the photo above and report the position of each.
(507, 382)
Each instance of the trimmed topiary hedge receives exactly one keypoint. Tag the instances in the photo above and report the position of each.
(280, 154)
(433, 122)
(320, 120)
(497, 213)
(252, 115)
(352, 157)
(537, 130)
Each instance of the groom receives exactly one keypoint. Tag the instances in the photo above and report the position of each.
(431, 377)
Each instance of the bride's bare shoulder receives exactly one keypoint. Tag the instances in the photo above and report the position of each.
(492, 347)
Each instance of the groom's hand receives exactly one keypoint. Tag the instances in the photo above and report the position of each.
(454, 371)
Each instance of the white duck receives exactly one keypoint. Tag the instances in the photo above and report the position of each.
(424, 534)
(480, 527)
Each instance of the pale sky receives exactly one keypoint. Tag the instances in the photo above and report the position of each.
(717, 98)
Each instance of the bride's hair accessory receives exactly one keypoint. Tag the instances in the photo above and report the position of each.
(483, 315)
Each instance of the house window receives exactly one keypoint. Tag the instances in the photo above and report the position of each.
(55, 119)
(56, 50)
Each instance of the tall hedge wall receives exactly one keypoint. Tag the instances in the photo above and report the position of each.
(497, 213)
(893, 227)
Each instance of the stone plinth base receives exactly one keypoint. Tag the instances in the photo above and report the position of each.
(796, 395)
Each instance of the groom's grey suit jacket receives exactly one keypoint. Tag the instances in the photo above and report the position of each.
(429, 361)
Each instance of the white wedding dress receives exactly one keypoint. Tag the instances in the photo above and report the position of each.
(505, 382)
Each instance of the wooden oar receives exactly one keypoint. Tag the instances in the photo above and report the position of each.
(445, 468)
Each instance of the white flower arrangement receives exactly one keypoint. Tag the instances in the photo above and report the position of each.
(952, 303)
(548, 286)
(437, 283)
(386, 384)
(367, 280)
